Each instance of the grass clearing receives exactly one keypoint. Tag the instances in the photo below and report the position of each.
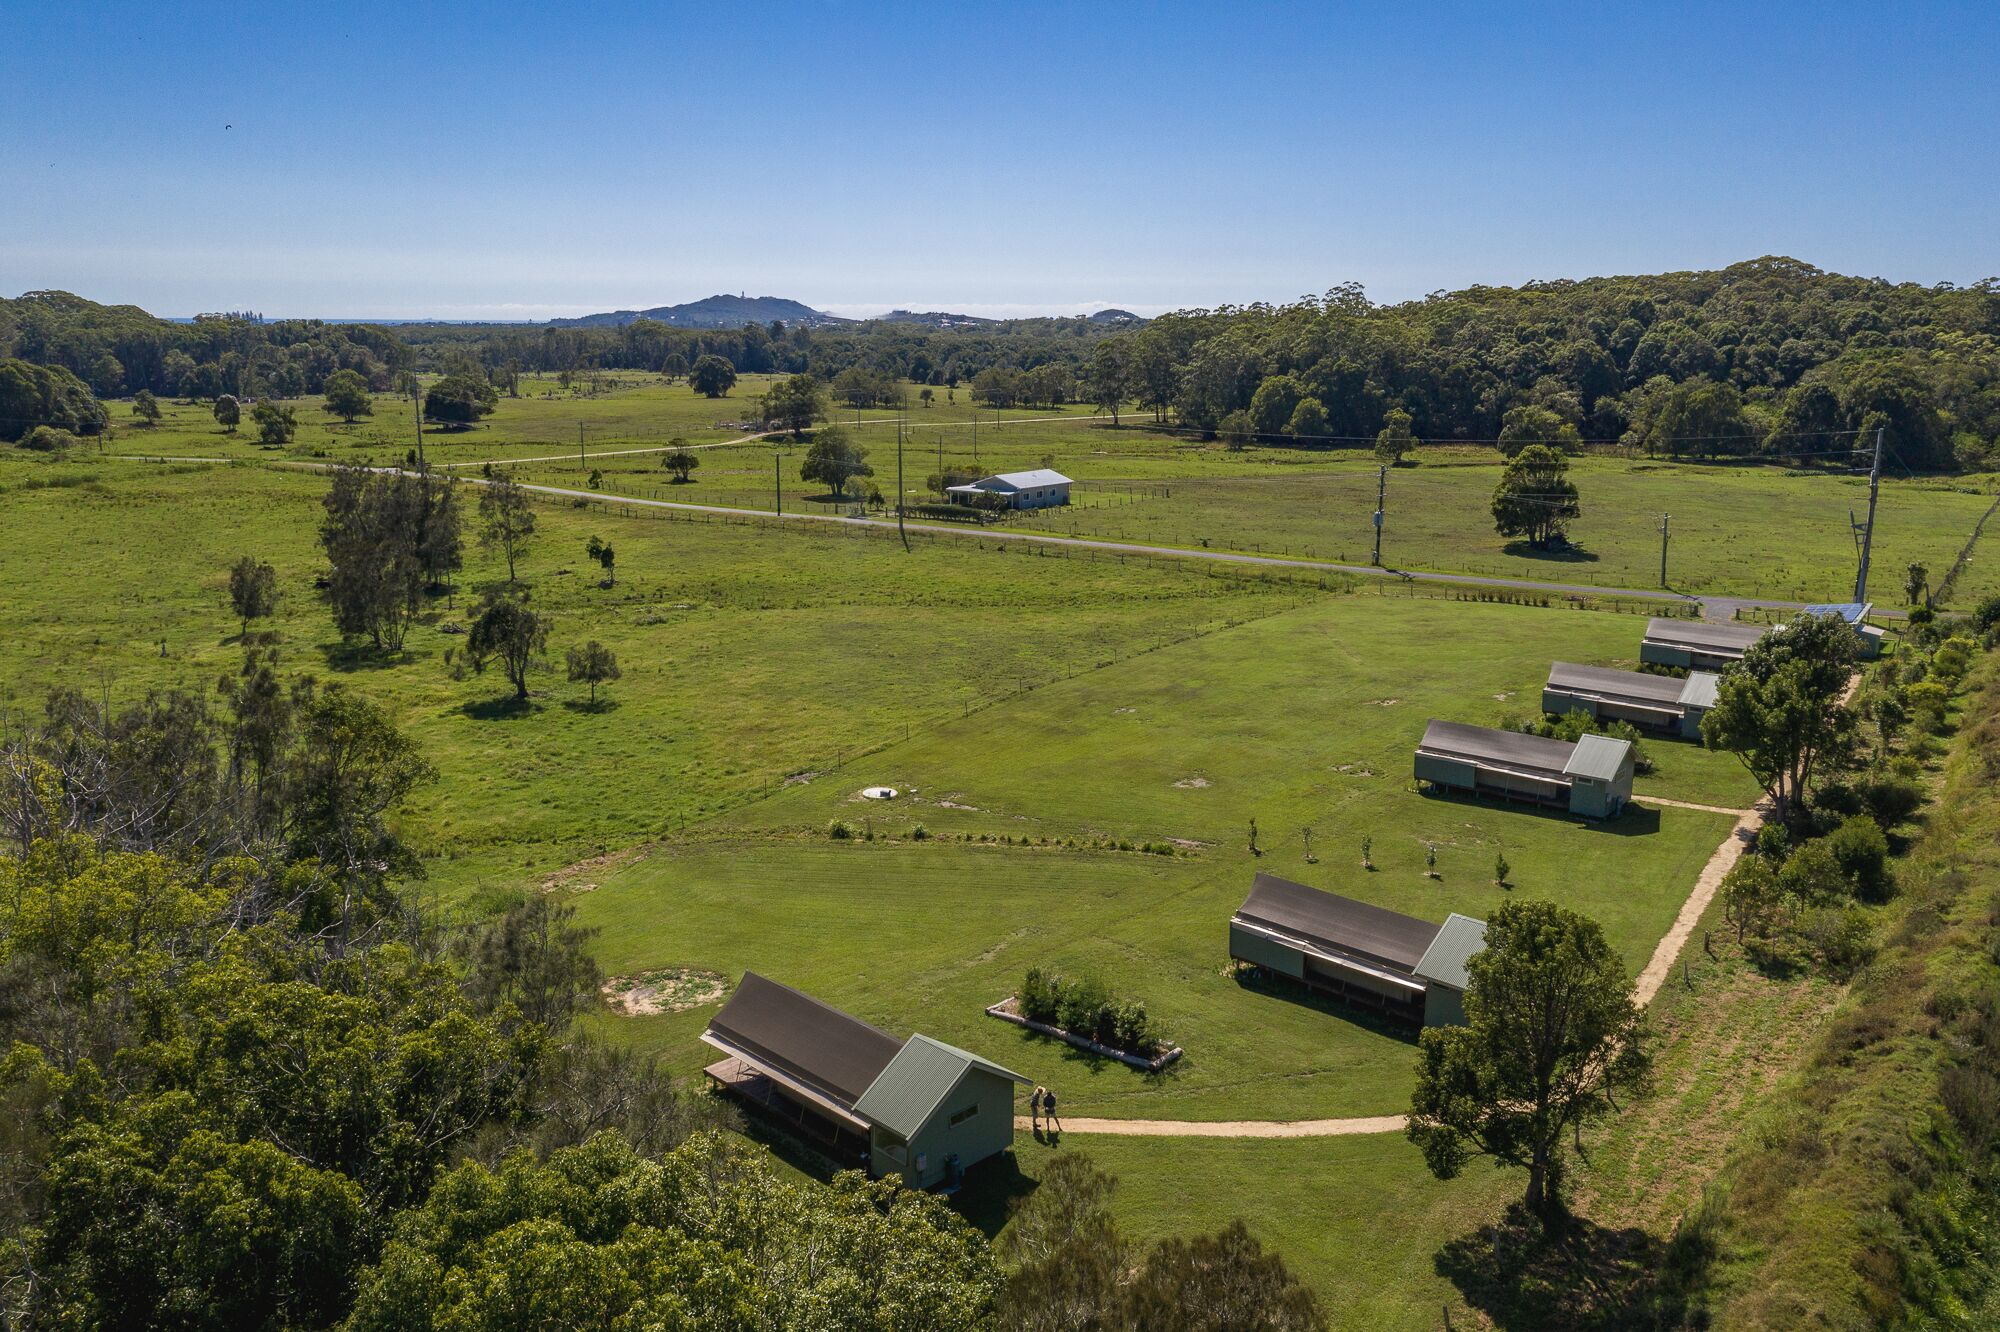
(1743, 530)
(750, 654)
(1302, 718)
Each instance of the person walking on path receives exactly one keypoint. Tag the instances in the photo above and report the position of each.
(1049, 1109)
(1035, 1107)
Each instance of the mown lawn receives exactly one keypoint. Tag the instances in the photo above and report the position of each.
(1300, 719)
(1359, 1219)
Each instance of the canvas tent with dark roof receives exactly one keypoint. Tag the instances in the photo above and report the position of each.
(1663, 703)
(1592, 777)
(917, 1108)
(1363, 954)
(1697, 645)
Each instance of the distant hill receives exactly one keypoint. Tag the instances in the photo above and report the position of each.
(712, 312)
(934, 319)
(1115, 316)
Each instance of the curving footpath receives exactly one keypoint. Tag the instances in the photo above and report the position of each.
(1741, 834)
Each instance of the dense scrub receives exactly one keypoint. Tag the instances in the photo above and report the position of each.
(1865, 1195)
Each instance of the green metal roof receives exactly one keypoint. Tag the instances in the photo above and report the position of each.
(1700, 690)
(1457, 940)
(908, 1092)
(1599, 757)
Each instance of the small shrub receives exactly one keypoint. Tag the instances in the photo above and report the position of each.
(49, 439)
(1041, 998)
(1084, 1002)
(840, 830)
(1862, 852)
(1086, 1008)
(1812, 876)
(1839, 937)
(920, 833)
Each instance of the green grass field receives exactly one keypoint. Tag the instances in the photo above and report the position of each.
(1059, 704)
(1302, 718)
(748, 653)
(1736, 530)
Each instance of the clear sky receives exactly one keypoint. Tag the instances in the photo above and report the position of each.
(512, 160)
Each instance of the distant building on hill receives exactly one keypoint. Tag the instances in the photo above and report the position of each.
(1039, 489)
(917, 1108)
(1592, 777)
(1664, 703)
(1404, 967)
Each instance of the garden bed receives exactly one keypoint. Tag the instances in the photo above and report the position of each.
(1008, 1010)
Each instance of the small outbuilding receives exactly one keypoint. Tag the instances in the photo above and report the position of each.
(1868, 638)
(1370, 956)
(1667, 704)
(1592, 777)
(1042, 488)
(1698, 645)
(917, 1108)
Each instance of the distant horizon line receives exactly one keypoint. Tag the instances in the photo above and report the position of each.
(858, 312)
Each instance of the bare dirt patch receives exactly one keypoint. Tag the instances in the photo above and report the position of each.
(1354, 769)
(1383, 702)
(585, 875)
(1191, 783)
(800, 778)
(953, 804)
(665, 990)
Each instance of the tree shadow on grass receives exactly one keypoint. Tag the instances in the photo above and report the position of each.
(1577, 1276)
(1565, 554)
(585, 705)
(349, 657)
(505, 708)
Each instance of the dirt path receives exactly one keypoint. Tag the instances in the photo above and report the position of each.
(1228, 1128)
(1686, 804)
(1705, 887)
(1740, 836)
(612, 453)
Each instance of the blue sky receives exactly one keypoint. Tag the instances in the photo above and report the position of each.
(512, 160)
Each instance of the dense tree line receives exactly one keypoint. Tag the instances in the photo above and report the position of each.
(119, 349)
(1771, 357)
(1766, 358)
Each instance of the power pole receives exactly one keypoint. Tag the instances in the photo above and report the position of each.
(778, 482)
(1868, 532)
(975, 439)
(1665, 520)
(899, 486)
(417, 411)
(579, 446)
(1381, 503)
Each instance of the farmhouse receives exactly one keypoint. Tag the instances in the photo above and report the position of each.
(1399, 965)
(1592, 777)
(1039, 489)
(1663, 703)
(1696, 644)
(917, 1108)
